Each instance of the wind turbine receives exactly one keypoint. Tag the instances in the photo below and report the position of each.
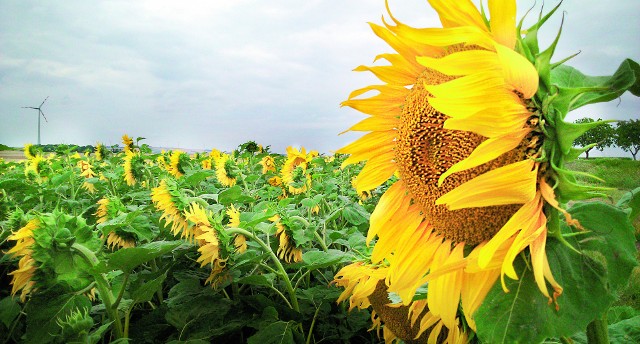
(39, 108)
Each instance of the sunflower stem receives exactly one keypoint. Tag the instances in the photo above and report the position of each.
(282, 272)
(597, 331)
(103, 288)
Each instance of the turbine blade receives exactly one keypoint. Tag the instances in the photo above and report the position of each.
(45, 99)
(45, 118)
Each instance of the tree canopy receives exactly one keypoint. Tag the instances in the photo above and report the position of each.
(602, 136)
(628, 136)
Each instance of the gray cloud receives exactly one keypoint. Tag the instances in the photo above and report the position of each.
(204, 74)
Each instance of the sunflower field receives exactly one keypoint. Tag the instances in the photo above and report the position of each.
(170, 247)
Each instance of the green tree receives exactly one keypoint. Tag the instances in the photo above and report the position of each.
(628, 136)
(602, 136)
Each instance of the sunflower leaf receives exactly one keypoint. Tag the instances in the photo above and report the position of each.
(577, 89)
(612, 236)
(631, 201)
(589, 280)
(128, 259)
(524, 315)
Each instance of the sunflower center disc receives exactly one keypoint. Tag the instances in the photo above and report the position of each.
(425, 150)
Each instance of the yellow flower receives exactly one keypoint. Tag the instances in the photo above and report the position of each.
(87, 171)
(30, 151)
(275, 181)
(287, 249)
(175, 167)
(207, 240)
(128, 143)
(224, 170)
(114, 239)
(100, 152)
(240, 241)
(133, 167)
(268, 164)
(214, 154)
(455, 120)
(294, 171)
(103, 210)
(206, 164)
(165, 202)
(22, 278)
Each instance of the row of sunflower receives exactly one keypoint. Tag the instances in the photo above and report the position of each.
(96, 247)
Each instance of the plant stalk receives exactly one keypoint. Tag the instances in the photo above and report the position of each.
(598, 331)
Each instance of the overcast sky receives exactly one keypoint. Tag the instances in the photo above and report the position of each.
(215, 74)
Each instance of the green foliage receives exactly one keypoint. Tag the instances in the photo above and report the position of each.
(599, 137)
(590, 279)
(628, 136)
(158, 291)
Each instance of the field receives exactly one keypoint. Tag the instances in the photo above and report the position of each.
(212, 247)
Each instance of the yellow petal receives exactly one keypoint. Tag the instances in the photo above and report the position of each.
(368, 146)
(503, 22)
(511, 184)
(387, 206)
(477, 84)
(475, 288)
(458, 13)
(462, 63)
(518, 71)
(488, 150)
(461, 105)
(491, 122)
(375, 123)
(377, 170)
(390, 74)
(468, 35)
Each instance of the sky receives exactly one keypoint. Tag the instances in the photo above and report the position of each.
(215, 74)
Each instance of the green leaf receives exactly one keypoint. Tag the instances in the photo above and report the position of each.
(9, 310)
(611, 236)
(276, 333)
(577, 89)
(322, 259)
(355, 214)
(590, 281)
(127, 259)
(631, 201)
(524, 315)
(622, 332)
(145, 291)
(264, 280)
(235, 195)
(197, 177)
(44, 310)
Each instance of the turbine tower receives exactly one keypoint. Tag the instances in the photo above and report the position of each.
(39, 108)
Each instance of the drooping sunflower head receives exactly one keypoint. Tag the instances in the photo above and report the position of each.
(210, 247)
(22, 278)
(239, 241)
(287, 248)
(30, 151)
(226, 170)
(100, 152)
(178, 161)
(465, 118)
(168, 199)
(128, 143)
(134, 166)
(295, 177)
(35, 168)
(268, 164)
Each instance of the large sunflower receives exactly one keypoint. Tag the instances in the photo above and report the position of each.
(477, 150)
